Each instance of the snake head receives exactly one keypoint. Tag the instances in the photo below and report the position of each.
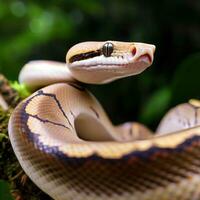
(103, 62)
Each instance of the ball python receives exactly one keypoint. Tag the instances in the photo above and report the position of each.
(67, 145)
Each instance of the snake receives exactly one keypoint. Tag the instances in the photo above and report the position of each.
(67, 145)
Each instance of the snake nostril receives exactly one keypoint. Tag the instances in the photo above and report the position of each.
(133, 51)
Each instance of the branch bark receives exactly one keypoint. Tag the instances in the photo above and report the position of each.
(21, 187)
(3, 104)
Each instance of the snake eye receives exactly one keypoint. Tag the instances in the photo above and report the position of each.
(107, 49)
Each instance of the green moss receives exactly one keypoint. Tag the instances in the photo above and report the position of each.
(21, 89)
(4, 191)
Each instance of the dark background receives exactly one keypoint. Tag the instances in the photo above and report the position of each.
(45, 29)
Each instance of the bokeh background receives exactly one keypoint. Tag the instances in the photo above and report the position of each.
(36, 29)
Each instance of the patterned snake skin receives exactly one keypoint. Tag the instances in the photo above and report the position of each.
(51, 135)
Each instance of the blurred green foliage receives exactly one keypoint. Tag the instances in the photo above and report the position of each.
(46, 29)
(4, 191)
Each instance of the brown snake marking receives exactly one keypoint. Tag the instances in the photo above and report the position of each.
(95, 112)
(47, 121)
(40, 93)
(84, 56)
(76, 86)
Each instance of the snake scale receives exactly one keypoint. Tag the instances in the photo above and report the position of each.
(67, 145)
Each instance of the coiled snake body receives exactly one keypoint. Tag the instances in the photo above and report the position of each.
(66, 144)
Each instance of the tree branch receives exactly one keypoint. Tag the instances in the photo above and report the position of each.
(3, 104)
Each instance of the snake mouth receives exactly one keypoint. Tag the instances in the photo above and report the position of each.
(145, 58)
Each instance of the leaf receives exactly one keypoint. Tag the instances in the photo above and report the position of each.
(2, 136)
(5, 191)
(21, 89)
(156, 106)
(186, 81)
